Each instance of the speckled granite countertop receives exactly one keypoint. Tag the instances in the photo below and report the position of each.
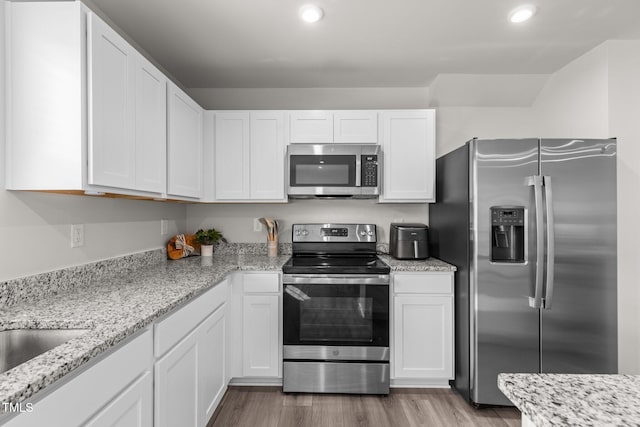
(575, 399)
(429, 264)
(112, 307)
(114, 299)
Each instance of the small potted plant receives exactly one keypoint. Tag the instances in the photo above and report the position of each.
(207, 238)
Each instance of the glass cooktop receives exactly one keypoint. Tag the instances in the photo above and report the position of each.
(323, 264)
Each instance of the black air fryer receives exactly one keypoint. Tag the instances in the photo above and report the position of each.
(409, 241)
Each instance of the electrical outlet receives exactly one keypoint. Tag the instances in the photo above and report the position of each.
(164, 227)
(257, 225)
(77, 235)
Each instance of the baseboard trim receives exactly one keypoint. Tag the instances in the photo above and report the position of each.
(418, 383)
(256, 382)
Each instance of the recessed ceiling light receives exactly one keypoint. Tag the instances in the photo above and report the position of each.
(310, 13)
(522, 13)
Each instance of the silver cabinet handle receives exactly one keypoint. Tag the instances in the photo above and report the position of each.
(536, 183)
(551, 247)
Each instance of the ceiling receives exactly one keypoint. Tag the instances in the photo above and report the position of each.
(363, 43)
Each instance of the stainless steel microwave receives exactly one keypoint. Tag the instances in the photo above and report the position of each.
(334, 170)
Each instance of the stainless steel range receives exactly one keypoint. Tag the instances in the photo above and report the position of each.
(335, 311)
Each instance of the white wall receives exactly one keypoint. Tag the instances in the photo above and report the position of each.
(311, 98)
(236, 220)
(574, 103)
(624, 123)
(598, 96)
(35, 227)
(456, 125)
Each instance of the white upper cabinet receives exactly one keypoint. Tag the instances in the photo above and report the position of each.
(111, 76)
(151, 127)
(231, 155)
(339, 126)
(267, 155)
(46, 132)
(185, 121)
(127, 114)
(355, 127)
(248, 156)
(106, 137)
(310, 127)
(408, 146)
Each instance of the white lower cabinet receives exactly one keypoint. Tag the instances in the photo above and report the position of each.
(260, 331)
(212, 382)
(255, 339)
(131, 409)
(422, 348)
(190, 376)
(176, 376)
(113, 391)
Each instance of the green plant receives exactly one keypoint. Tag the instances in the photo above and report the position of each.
(209, 237)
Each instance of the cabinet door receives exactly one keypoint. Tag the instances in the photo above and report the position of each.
(111, 147)
(232, 145)
(260, 336)
(211, 365)
(311, 127)
(354, 127)
(423, 336)
(184, 145)
(132, 408)
(409, 156)
(151, 127)
(176, 385)
(267, 155)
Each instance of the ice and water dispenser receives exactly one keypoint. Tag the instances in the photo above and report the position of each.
(507, 234)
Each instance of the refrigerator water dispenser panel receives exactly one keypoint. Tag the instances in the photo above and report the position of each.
(507, 234)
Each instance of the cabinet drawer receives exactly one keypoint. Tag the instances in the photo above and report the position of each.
(175, 327)
(427, 283)
(261, 282)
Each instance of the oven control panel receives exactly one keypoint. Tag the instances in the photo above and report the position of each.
(334, 233)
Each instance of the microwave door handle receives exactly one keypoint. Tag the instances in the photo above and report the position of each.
(536, 182)
(358, 170)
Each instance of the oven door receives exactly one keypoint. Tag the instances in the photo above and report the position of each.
(336, 318)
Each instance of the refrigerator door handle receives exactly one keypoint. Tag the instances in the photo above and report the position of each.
(536, 182)
(551, 247)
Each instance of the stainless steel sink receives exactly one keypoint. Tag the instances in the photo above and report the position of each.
(19, 345)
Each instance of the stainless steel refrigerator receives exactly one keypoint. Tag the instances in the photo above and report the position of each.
(531, 226)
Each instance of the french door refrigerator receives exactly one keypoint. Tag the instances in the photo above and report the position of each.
(531, 226)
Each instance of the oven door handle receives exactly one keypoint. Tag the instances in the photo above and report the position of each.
(326, 279)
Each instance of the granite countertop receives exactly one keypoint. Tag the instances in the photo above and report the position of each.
(575, 399)
(429, 264)
(116, 298)
(113, 308)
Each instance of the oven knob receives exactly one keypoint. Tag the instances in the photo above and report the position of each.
(370, 233)
(363, 233)
(305, 232)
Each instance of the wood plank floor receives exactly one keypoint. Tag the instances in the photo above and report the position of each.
(268, 406)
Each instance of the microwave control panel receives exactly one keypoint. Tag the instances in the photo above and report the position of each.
(369, 170)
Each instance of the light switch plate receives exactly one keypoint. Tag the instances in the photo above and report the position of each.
(164, 227)
(257, 225)
(77, 235)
